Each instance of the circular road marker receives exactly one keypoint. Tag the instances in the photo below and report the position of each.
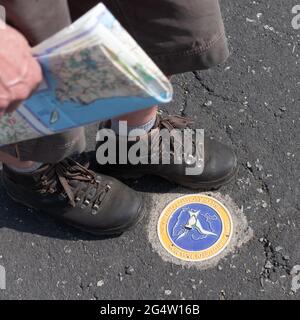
(195, 228)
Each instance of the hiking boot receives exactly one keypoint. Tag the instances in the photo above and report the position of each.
(97, 204)
(219, 161)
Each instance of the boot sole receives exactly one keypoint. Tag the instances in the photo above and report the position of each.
(211, 186)
(116, 232)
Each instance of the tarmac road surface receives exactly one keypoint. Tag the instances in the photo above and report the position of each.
(252, 103)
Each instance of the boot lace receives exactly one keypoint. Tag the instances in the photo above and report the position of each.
(88, 190)
(171, 123)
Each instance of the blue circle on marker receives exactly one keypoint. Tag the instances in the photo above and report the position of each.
(195, 227)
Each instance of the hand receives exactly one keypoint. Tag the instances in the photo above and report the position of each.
(20, 73)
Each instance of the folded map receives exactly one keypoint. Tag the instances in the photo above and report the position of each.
(93, 70)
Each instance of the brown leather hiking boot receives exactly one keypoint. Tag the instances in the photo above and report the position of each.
(219, 161)
(70, 192)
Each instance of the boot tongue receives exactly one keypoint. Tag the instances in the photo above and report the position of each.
(174, 122)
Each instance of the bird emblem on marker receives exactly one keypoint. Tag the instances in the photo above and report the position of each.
(192, 224)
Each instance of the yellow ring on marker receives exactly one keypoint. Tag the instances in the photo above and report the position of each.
(215, 249)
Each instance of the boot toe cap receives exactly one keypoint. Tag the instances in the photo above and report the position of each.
(124, 210)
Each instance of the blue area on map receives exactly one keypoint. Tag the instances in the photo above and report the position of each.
(195, 227)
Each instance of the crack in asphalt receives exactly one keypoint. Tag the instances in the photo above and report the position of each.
(212, 91)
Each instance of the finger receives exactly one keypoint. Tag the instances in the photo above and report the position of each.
(35, 74)
(31, 80)
(12, 72)
(21, 91)
(25, 89)
(14, 95)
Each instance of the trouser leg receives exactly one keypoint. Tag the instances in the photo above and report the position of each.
(38, 20)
